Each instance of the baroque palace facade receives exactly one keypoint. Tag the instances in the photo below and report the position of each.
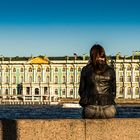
(46, 79)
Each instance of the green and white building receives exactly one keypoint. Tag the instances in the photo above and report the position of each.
(44, 79)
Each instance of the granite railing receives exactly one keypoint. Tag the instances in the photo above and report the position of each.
(70, 129)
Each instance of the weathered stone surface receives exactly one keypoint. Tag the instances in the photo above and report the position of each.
(70, 129)
(113, 129)
(51, 129)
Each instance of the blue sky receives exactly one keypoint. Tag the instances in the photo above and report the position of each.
(64, 27)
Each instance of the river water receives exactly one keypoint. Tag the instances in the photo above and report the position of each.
(57, 112)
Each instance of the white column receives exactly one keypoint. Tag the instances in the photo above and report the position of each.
(34, 74)
(43, 74)
(132, 74)
(125, 75)
(125, 92)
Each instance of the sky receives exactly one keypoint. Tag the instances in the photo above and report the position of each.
(65, 27)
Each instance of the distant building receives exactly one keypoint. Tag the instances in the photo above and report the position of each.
(43, 79)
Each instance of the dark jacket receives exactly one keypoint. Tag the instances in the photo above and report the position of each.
(95, 88)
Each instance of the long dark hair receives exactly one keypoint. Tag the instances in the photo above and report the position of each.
(96, 51)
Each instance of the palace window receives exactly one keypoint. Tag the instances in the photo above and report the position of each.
(56, 80)
(47, 69)
(121, 90)
(7, 79)
(137, 79)
(14, 69)
(36, 91)
(14, 91)
(39, 78)
(30, 79)
(45, 90)
(6, 70)
(47, 79)
(128, 90)
(21, 70)
(27, 90)
(30, 69)
(137, 67)
(79, 69)
(6, 91)
(137, 91)
(38, 69)
(71, 79)
(121, 78)
(71, 69)
(63, 92)
(14, 79)
(64, 79)
(56, 91)
(21, 79)
(56, 69)
(128, 67)
(128, 78)
(71, 92)
(64, 69)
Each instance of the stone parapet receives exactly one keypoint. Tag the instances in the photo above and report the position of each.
(70, 129)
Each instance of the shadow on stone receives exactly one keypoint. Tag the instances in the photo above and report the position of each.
(9, 128)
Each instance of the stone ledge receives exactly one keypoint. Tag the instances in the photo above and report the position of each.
(70, 129)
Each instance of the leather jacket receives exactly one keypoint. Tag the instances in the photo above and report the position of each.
(97, 88)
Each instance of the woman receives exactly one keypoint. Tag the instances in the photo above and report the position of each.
(97, 88)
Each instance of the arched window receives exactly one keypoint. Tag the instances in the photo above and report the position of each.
(136, 79)
(71, 92)
(47, 79)
(6, 91)
(56, 69)
(38, 69)
(30, 69)
(64, 69)
(36, 91)
(121, 78)
(56, 79)
(14, 79)
(39, 78)
(63, 92)
(21, 70)
(121, 67)
(30, 79)
(56, 91)
(7, 79)
(137, 67)
(64, 79)
(128, 67)
(47, 69)
(6, 70)
(137, 91)
(121, 90)
(79, 69)
(14, 69)
(27, 90)
(21, 79)
(128, 90)
(71, 79)
(128, 78)
(71, 69)
(14, 91)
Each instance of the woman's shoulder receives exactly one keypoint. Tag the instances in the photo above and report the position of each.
(87, 68)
